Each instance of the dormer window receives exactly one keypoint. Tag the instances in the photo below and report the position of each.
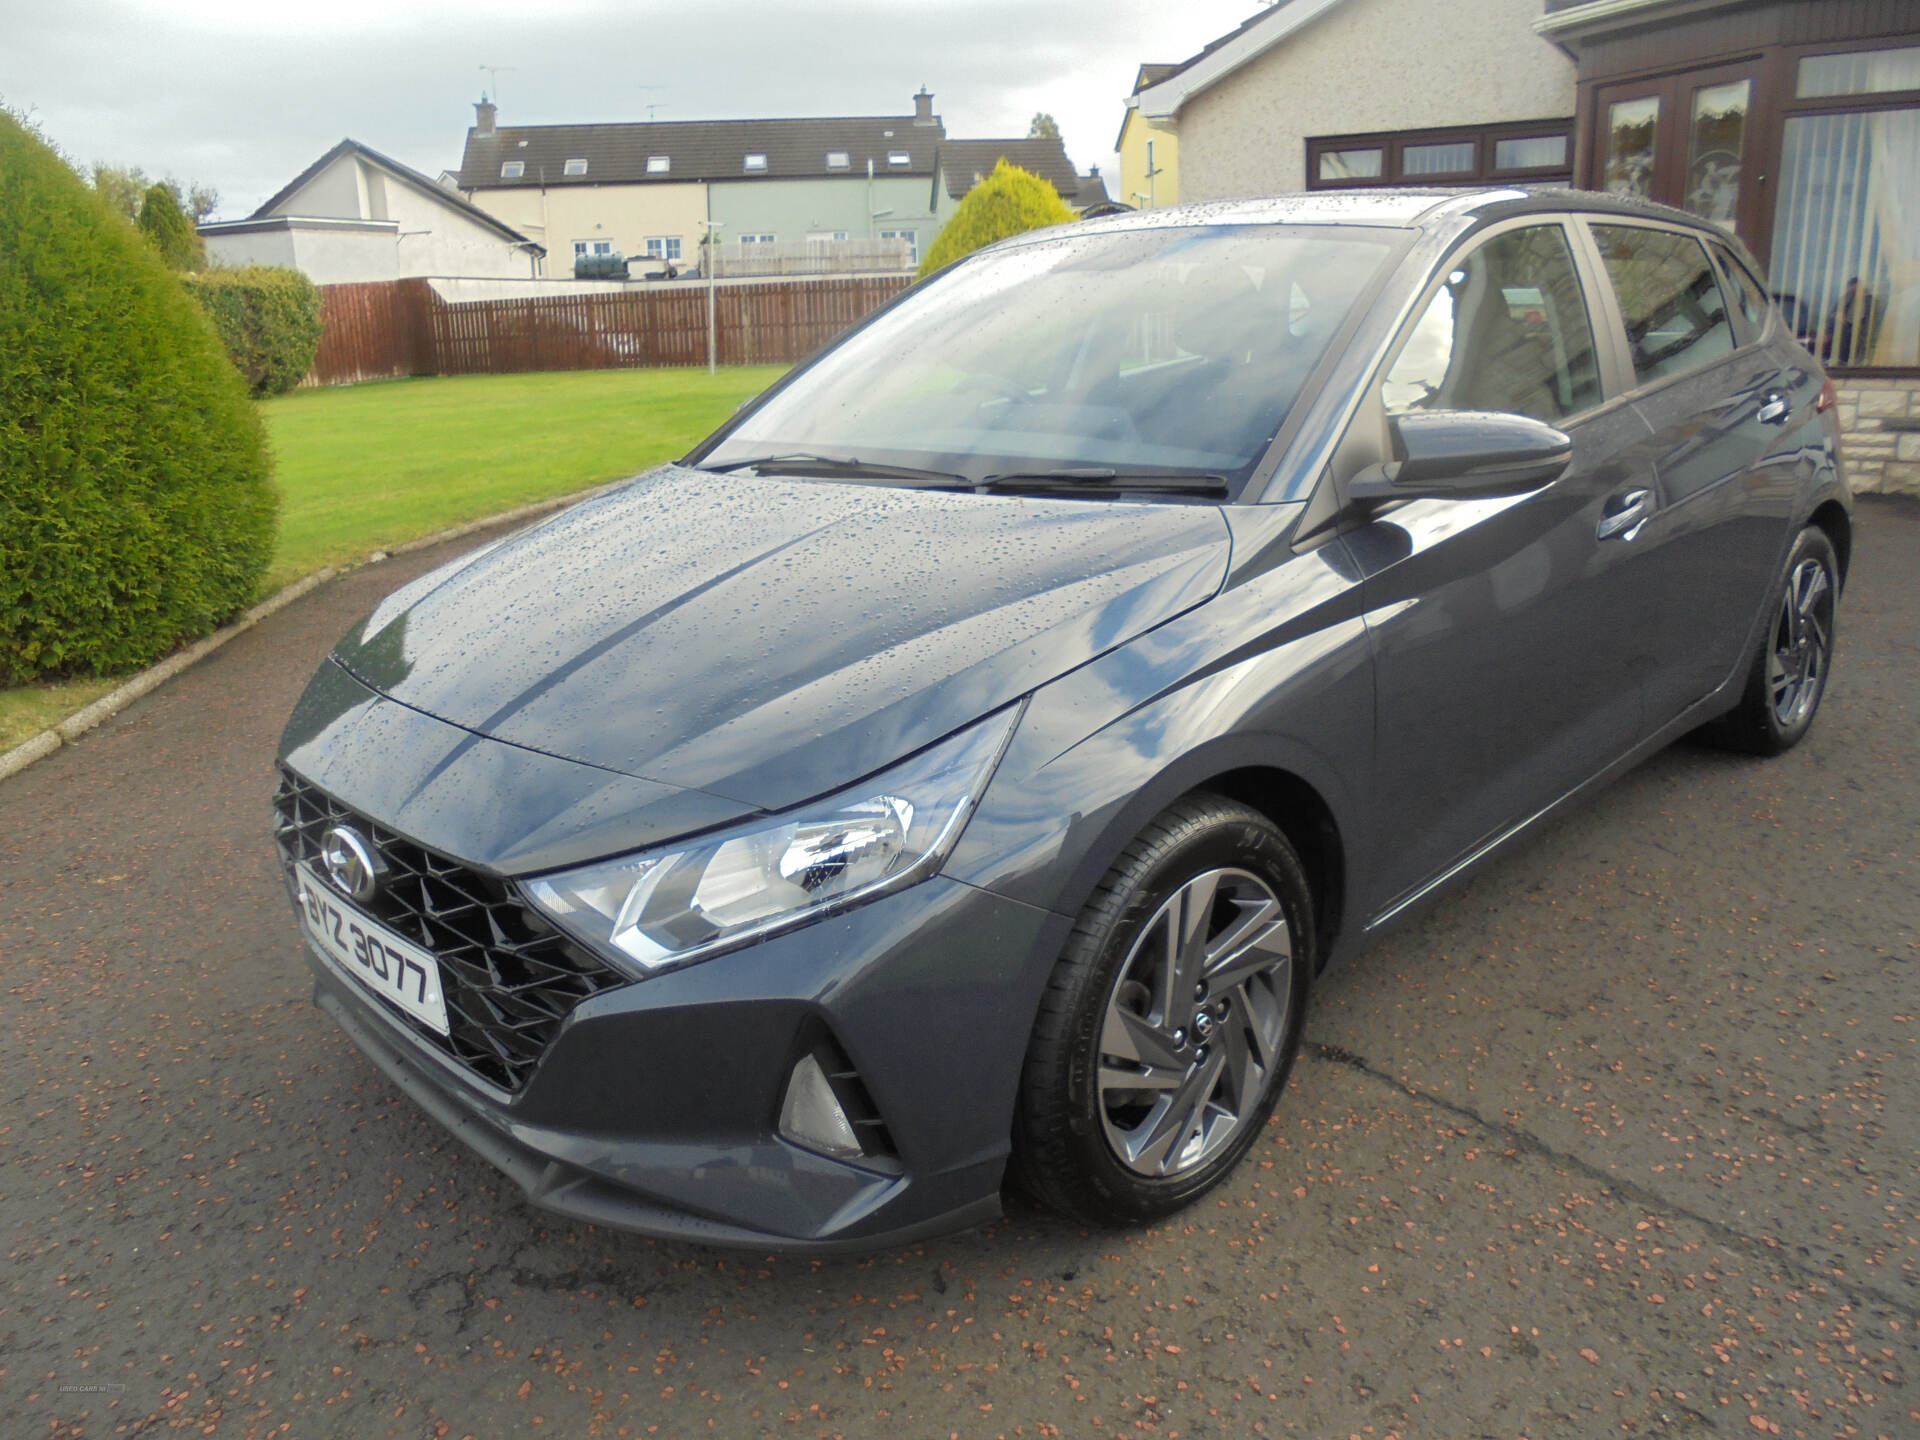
(756, 161)
(658, 164)
(577, 166)
(513, 169)
(899, 157)
(837, 160)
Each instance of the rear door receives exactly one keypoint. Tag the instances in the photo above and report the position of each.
(1725, 416)
(1507, 637)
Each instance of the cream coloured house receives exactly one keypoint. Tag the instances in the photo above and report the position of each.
(1313, 94)
(356, 215)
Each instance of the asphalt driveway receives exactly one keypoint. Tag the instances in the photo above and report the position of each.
(1620, 1140)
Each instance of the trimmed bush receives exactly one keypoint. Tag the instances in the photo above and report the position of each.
(170, 229)
(136, 505)
(269, 318)
(1010, 201)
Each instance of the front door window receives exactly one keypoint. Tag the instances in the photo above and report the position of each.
(1507, 330)
(1633, 138)
(1716, 144)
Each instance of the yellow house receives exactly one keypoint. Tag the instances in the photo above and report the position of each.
(1149, 158)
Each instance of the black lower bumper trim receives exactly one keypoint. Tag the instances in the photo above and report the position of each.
(580, 1195)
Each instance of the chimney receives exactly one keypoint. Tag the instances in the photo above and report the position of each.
(483, 114)
(923, 108)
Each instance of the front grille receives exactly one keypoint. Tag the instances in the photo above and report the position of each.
(509, 978)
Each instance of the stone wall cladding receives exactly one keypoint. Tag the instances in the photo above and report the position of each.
(1881, 457)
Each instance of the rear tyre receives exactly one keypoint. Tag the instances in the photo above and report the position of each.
(1789, 675)
(1171, 1020)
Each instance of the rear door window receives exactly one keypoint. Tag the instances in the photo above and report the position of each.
(1675, 314)
(1507, 331)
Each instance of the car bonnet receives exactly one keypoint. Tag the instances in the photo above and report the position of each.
(766, 641)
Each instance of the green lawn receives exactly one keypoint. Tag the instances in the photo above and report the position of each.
(366, 467)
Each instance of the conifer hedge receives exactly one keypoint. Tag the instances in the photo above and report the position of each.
(136, 503)
(168, 226)
(1010, 201)
(269, 317)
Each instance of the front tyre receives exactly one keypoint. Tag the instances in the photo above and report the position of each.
(1789, 675)
(1171, 1020)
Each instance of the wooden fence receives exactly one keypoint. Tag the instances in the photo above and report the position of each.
(371, 332)
(402, 328)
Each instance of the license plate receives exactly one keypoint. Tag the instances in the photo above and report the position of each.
(371, 955)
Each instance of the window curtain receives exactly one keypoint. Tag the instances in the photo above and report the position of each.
(1846, 238)
(1893, 200)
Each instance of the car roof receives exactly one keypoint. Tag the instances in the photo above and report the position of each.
(1435, 210)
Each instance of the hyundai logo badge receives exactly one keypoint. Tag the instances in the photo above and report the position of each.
(349, 863)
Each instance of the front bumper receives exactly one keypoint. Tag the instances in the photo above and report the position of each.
(655, 1108)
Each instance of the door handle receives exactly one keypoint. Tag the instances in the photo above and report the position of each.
(1774, 410)
(1630, 512)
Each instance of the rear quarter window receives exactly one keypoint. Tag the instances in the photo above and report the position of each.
(1748, 293)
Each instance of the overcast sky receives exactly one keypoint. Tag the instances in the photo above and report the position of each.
(243, 94)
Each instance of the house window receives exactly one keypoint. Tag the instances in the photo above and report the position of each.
(756, 161)
(1453, 157)
(1846, 253)
(1865, 72)
(603, 247)
(663, 247)
(756, 239)
(1456, 155)
(513, 169)
(899, 157)
(821, 237)
(658, 164)
(912, 237)
(1534, 152)
(1338, 165)
(579, 249)
(576, 166)
(838, 160)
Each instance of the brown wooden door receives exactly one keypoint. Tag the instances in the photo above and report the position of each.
(1687, 140)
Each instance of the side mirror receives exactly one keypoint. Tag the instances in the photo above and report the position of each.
(1460, 453)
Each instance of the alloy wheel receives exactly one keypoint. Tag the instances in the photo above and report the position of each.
(1195, 1023)
(1802, 643)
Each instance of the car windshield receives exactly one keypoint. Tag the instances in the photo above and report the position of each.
(1132, 354)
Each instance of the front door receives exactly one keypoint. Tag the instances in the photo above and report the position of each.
(1684, 140)
(1507, 638)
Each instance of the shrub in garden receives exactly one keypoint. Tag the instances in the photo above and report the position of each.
(136, 504)
(1010, 201)
(269, 317)
(170, 229)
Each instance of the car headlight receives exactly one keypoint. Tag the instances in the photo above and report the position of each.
(667, 907)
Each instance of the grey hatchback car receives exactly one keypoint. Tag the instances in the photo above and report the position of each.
(957, 769)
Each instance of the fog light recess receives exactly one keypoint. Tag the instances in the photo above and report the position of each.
(828, 1109)
(812, 1114)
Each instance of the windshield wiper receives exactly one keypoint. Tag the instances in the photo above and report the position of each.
(851, 467)
(1099, 477)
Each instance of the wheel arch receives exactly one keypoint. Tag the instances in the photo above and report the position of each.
(1305, 818)
(1832, 518)
(1301, 797)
